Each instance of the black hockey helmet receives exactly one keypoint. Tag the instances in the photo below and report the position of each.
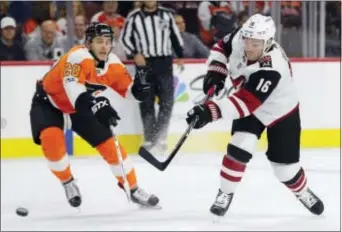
(98, 29)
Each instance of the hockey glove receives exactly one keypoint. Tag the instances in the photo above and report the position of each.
(100, 107)
(141, 88)
(104, 112)
(216, 76)
(207, 112)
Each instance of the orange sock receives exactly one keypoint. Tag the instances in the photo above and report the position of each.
(54, 149)
(108, 151)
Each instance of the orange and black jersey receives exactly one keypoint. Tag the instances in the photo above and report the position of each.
(75, 73)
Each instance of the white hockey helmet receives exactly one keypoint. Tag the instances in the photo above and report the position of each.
(259, 27)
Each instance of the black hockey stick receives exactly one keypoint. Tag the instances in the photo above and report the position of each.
(144, 153)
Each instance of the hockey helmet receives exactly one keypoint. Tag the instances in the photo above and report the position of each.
(259, 27)
(98, 29)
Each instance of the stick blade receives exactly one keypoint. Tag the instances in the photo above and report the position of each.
(146, 155)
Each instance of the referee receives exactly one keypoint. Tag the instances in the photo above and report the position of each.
(148, 36)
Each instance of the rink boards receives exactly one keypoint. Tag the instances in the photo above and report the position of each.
(317, 81)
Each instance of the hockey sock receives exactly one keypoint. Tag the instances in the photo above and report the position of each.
(231, 173)
(292, 175)
(108, 151)
(54, 149)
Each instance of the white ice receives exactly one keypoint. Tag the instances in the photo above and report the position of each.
(187, 189)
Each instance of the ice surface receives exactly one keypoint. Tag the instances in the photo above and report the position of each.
(187, 189)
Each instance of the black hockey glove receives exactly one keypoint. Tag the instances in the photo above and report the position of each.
(216, 76)
(101, 108)
(207, 112)
(104, 112)
(141, 89)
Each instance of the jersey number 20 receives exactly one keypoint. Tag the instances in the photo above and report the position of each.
(73, 70)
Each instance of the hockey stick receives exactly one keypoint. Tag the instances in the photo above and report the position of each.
(144, 153)
(123, 174)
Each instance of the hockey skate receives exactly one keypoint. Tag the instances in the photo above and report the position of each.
(311, 202)
(144, 199)
(221, 204)
(72, 193)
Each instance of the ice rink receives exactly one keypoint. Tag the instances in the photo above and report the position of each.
(186, 191)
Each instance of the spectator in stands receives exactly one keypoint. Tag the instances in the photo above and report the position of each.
(109, 12)
(291, 32)
(333, 29)
(117, 46)
(79, 29)
(40, 12)
(46, 46)
(136, 5)
(242, 18)
(260, 7)
(291, 13)
(3, 9)
(9, 48)
(216, 19)
(193, 46)
(78, 9)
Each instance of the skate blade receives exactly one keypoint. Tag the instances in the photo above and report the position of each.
(78, 209)
(156, 207)
(216, 219)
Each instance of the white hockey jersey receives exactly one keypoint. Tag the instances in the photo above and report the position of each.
(263, 88)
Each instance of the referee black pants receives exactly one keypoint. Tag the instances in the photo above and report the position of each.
(161, 77)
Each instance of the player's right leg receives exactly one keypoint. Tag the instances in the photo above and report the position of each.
(47, 130)
(245, 135)
(99, 136)
(284, 154)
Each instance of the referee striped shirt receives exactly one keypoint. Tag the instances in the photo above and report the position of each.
(152, 34)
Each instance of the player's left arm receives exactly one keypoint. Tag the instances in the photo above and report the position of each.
(247, 99)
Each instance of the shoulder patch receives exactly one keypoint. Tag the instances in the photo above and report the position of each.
(226, 38)
(265, 62)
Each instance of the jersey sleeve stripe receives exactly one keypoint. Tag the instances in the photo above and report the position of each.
(218, 49)
(249, 99)
(237, 106)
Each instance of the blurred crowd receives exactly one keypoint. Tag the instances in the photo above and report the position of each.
(38, 30)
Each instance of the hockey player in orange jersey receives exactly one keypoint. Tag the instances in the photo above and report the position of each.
(69, 89)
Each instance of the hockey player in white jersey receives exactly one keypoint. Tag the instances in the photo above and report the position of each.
(265, 99)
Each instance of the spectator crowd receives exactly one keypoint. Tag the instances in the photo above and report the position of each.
(39, 30)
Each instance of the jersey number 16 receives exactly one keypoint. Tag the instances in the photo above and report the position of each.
(263, 85)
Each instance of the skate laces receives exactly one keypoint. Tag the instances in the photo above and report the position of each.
(308, 198)
(141, 195)
(71, 190)
(223, 199)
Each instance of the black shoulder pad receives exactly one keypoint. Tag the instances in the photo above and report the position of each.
(227, 41)
(262, 83)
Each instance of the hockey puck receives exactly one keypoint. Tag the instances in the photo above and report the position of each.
(23, 212)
